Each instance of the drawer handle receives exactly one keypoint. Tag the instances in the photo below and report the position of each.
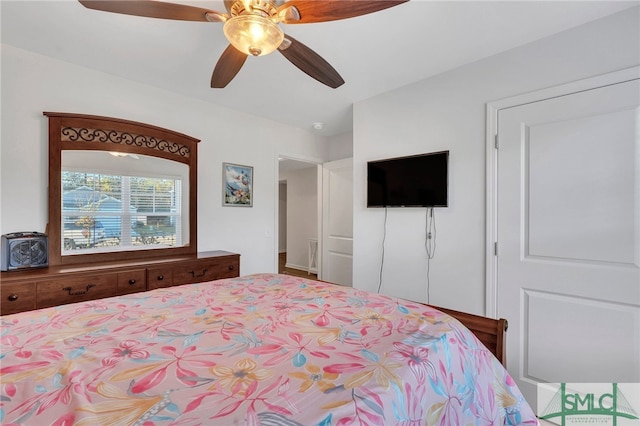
(232, 267)
(194, 275)
(78, 293)
(12, 297)
(160, 277)
(132, 281)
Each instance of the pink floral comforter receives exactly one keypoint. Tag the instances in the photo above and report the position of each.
(261, 349)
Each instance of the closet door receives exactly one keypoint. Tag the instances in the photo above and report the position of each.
(568, 228)
(337, 222)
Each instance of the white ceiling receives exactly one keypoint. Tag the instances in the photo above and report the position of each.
(373, 53)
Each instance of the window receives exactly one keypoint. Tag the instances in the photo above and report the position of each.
(107, 212)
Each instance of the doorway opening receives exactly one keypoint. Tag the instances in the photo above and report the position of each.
(298, 218)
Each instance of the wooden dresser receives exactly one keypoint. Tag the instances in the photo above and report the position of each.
(59, 285)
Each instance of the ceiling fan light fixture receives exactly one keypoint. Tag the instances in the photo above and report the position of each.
(253, 34)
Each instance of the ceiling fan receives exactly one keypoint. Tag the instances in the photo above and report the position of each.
(252, 28)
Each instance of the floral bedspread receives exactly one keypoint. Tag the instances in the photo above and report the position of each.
(262, 349)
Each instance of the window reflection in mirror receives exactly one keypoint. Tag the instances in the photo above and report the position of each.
(114, 201)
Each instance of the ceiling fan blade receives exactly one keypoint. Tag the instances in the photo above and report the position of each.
(227, 67)
(151, 9)
(310, 62)
(330, 10)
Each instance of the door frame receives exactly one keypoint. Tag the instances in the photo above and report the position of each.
(303, 159)
(492, 146)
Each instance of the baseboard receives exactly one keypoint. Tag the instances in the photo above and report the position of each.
(298, 267)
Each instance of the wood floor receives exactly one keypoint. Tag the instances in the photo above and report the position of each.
(282, 269)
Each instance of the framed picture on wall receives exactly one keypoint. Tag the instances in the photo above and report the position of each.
(237, 185)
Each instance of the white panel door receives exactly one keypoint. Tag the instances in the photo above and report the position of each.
(337, 222)
(568, 228)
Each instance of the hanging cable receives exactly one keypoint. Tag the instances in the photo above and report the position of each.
(384, 237)
(430, 229)
(429, 242)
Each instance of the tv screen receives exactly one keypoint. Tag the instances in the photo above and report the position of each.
(415, 181)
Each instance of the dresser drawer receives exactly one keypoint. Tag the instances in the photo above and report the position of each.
(206, 270)
(132, 281)
(76, 289)
(17, 297)
(62, 284)
(159, 277)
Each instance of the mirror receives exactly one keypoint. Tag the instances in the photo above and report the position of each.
(102, 191)
(119, 190)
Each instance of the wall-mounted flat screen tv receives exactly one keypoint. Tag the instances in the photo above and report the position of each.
(415, 181)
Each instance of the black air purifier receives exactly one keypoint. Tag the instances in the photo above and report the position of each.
(23, 250)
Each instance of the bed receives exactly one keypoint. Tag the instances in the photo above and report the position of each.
(262, 349)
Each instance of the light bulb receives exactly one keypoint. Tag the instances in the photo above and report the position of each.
(257, 33)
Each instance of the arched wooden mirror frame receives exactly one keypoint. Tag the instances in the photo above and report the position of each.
(69, 131)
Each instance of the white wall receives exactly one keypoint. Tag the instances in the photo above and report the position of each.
(447, 112)
(340, 146)
(33, 83)
(302, 214)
